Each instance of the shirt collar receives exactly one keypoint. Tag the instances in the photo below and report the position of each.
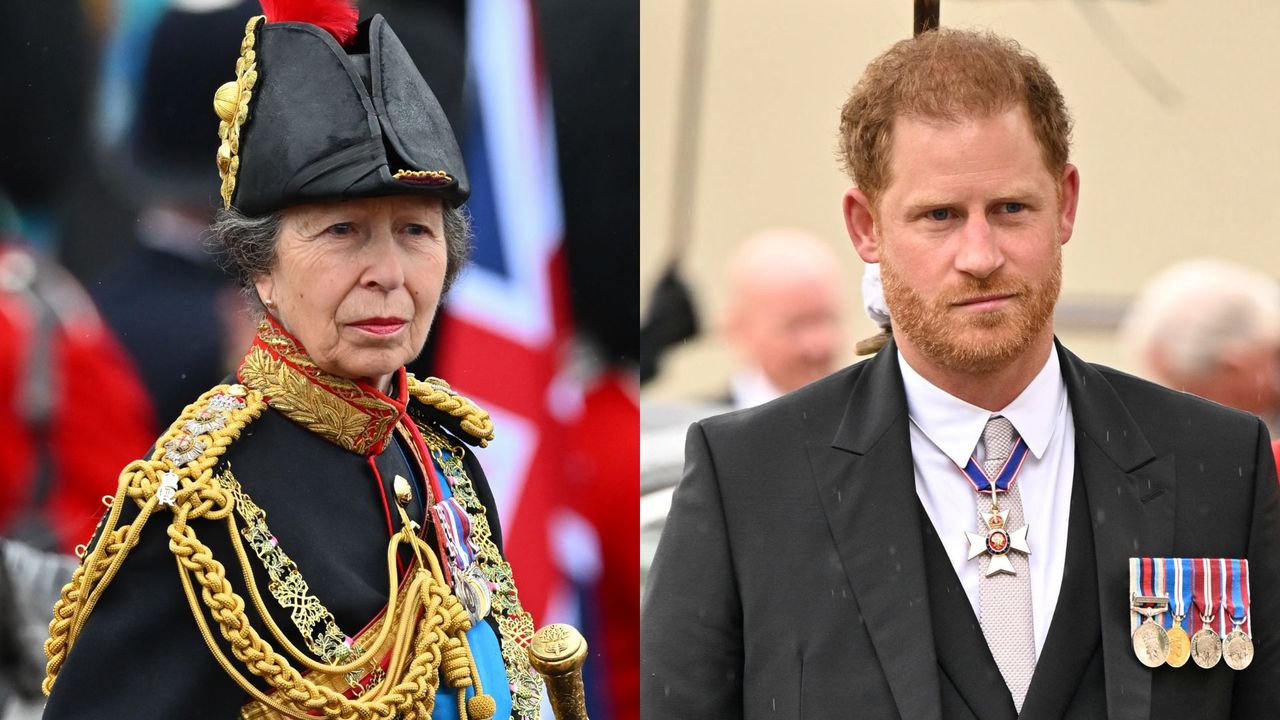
(750, 387)
(955, 426)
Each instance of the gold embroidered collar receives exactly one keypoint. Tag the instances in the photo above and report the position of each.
(349, 413)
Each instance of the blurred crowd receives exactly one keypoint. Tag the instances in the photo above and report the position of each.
(114, 317)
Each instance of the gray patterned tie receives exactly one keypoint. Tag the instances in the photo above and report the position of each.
(1006, 599)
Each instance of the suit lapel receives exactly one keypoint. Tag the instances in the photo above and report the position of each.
(1131, 504)
(865, 479)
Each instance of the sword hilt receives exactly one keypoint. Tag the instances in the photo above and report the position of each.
(558, 652)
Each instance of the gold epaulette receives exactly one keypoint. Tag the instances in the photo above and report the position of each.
(436, 393)
(179, 477)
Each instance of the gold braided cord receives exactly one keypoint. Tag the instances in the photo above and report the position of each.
(430, 623)
(515, 624)
(140, 482)
(357, 660)
(298, 696)
(437, 393)
(317, 625)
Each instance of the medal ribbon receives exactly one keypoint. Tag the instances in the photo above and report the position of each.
(1205, 586)
(1244, 597)
(1159, 580)
(1223, 597)
(1180, 596)
(1237, 607)
(1005, 478)
(1147, 581)
(1135, 588)
(455, 527)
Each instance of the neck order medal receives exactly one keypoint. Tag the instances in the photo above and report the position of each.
(999, 540)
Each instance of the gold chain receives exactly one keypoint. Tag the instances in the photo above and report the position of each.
(318, 626)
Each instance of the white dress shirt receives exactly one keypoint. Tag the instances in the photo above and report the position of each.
(945, 431)
(750, 387)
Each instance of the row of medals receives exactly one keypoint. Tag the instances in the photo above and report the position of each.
(1156, 646)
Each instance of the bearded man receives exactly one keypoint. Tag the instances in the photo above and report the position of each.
(827, 555)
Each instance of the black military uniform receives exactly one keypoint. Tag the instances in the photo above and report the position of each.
(300, 544)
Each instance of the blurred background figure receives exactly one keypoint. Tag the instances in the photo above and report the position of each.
(72, 407)
(178, 315)
(783, 316)
(1210, 328)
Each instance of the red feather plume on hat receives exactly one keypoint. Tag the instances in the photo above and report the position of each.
(338, 17)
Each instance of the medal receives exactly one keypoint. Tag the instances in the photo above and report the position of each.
(1237, 647)
(1179, 647)
(1179, 642)
(999, 539)
(1150, 641)
(1206, 646)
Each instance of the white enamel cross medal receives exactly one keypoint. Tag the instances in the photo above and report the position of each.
(999, 539)
(998, 542)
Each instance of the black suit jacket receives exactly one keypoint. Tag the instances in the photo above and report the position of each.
(799, 577)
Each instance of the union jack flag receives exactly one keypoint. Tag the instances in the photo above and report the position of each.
(505, 331)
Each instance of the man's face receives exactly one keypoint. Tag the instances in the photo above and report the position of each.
(792, 331)
(969, 236)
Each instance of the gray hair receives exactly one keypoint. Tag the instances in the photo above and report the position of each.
(1197, 312)
(246, 246)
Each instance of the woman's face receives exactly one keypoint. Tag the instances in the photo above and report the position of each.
(357, 282)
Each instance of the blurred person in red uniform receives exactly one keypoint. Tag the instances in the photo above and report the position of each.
(592, 53)
(72, 406)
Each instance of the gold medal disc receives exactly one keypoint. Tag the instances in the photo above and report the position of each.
(1206, 648)
(1151, 644)
(1179, 647)
(1237, 649)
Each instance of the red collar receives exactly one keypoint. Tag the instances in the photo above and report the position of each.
(350, 413)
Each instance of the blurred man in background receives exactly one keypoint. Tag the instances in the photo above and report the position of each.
(179, 317)
(1211, 328)
(783, 317)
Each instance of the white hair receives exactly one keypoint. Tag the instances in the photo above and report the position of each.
(1191, 315)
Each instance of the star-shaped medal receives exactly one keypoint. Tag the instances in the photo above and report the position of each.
(997, 543)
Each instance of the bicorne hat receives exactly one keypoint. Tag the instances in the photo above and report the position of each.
(325, 109)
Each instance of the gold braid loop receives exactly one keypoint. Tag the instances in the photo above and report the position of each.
(456, 668)
(301, 695)
(437, 394)
(144, 481)
(431, 624)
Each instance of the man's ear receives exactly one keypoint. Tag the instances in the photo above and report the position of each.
(1069, 192)
(860, 222)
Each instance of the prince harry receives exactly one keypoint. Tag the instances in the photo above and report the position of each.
(945, 530)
